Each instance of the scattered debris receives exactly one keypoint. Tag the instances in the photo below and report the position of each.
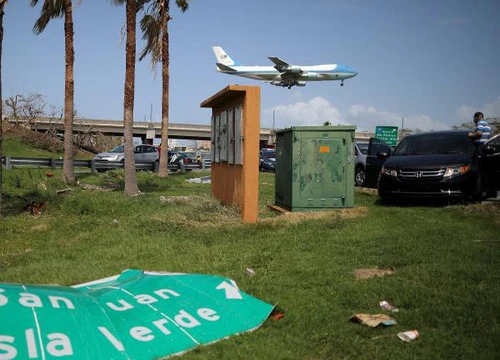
(362, 274)
(373, 320)
(250, 271)
(388, 306)
(49, 174)
(202, 180)
(115, 221)
(35, 208)
(42, 186)
(408, 335)
(63, 191)
(278, 316)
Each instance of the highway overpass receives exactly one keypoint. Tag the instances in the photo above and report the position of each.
(141, 129)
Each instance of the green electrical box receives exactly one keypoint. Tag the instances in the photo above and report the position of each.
(315, 167)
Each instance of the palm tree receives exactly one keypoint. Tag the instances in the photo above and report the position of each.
(52, 9)
(2, 6)
(128, 98)
(154, 26)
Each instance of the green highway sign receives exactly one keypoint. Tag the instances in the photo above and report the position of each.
(135, 315)
(387, 133)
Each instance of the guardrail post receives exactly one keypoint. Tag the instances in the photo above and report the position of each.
(181, 167)
(8, 165)
(53, 163)
(92, 166)
(156, 166)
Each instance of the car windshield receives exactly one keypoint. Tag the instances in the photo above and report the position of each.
(268, 154)
(363, 147)
(118, 149)
(438, 143)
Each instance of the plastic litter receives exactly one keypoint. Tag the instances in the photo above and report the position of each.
(408, 335)
(388, 306)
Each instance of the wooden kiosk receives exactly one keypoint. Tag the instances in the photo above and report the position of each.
(235, 147)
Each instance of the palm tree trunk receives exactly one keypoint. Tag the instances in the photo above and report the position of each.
(68, 170)
(2, 4)
(128, 101)
(163, 169)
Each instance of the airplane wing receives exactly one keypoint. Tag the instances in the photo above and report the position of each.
(280, 65)
(223, 67)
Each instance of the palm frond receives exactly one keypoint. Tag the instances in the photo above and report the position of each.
(152, 32)
(182, 4)
(51, 9)
(152, 27)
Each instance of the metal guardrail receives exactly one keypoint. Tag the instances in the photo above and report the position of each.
(15, 162)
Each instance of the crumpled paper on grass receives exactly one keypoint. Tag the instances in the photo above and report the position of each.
(373, 320)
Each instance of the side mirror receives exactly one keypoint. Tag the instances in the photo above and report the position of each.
(382, 155)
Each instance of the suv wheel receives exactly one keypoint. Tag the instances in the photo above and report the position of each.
(360, 177)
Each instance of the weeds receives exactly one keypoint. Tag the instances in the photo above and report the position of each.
(444, 262)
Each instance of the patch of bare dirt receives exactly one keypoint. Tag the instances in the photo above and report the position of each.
(40, 227)
(295, 217)
(178, 199)
(96, 187)
(366, 190)
(363, 274)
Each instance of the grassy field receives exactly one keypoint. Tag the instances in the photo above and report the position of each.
(445, 261)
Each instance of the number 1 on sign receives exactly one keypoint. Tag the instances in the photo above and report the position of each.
(232, 292)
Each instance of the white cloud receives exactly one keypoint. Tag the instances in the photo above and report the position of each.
(314, 112)
(318, 110)
(366, 118)
(490, 110)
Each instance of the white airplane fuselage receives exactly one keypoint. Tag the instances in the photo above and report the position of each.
(283, 73)
(310, 73)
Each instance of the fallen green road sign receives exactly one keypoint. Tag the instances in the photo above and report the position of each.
(136, 315)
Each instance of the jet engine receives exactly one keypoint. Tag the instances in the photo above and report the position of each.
(293, 69)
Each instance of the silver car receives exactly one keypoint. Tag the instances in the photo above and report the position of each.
(360, 152)
(143, 154)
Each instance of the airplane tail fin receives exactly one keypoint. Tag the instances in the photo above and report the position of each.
(222, 57)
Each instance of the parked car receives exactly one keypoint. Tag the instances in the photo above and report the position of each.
(143, 154)
(444, 164)
(176, 160)
(360, 152)
(267, 161)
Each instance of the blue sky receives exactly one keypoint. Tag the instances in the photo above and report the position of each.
(432, 62)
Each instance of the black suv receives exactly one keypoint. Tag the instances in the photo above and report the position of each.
(437, 164)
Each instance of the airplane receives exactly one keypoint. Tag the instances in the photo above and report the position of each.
(282, 73)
